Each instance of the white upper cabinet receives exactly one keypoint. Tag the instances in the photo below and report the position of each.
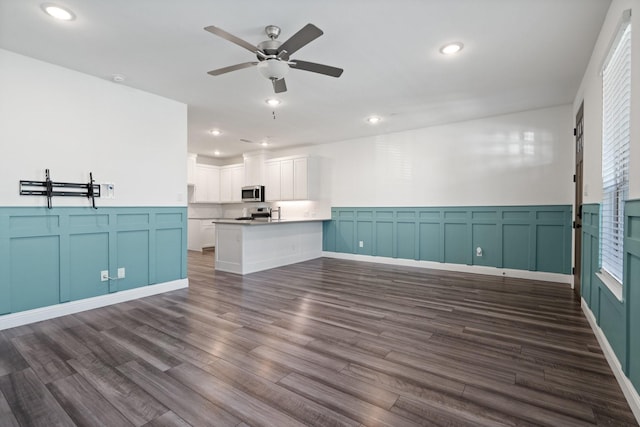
(272, 181)
(289, 179)
(254, 165)
(207, 184)
(231, 182)
(300, 179)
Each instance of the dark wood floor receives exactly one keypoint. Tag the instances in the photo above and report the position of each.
(326, 343)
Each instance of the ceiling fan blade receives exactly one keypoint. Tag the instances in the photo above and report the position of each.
(279, 86)
(316, 68)
(231, 68)
(306, 35)
(233, 39)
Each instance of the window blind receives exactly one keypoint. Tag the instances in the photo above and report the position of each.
(616, 89)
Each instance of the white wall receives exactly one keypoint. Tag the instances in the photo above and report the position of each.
(591, 92)
(71, 123)
(523, 158)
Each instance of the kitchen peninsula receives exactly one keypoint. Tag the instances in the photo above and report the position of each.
(247, 246)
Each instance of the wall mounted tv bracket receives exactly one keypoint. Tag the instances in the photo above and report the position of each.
(49, 189)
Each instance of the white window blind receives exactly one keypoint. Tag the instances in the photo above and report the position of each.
(616, 115)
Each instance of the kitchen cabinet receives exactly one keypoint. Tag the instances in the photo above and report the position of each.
(290, 179)
(191, 168)
(201, 233)
(300, 179)
(193, 235)
(272, 181)
(231, 182)
(207, 184)
(207, 233)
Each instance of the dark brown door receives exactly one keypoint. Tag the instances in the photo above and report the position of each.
(578, 206)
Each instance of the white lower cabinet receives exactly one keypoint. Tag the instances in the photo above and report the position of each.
(207, 233)
(201, 233)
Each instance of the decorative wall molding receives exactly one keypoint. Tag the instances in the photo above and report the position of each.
(38, 314)
(490, 271)
(54, 256)
(629, 391)
(527, 238)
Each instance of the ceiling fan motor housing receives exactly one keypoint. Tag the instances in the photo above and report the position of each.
(269, 47)
(273, 31)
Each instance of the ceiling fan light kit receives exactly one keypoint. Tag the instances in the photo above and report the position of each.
(273, 69)
(274, 56)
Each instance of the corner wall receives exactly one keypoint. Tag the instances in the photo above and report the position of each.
(71, 123)
(617, 320)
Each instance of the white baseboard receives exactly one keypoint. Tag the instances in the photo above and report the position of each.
(630, 393)
(43, 313)
(477, 269)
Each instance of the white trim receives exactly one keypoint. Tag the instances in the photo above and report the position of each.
(629, 391)
(611, 283)
(43, 313)
(622, 22)
(477, 269)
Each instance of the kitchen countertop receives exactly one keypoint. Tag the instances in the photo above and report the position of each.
(264, 221)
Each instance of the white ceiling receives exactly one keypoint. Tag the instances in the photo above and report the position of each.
(518, 55)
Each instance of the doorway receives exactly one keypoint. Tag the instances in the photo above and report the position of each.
(577, 250)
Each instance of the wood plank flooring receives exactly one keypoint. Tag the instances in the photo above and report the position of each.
(324, 343)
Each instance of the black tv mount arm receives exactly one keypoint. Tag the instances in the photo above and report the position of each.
(49, 188)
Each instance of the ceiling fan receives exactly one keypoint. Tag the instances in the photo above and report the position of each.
(274, 56)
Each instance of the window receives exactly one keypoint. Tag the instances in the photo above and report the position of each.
(616, 115)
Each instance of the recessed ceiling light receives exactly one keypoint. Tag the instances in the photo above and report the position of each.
(264, 143)
(451, 48)
(216, 153)
(273, 102)
(215, 132)
(118, 78)
(372, 120)
(58, 12)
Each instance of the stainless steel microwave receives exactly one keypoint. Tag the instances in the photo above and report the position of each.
(253, 193)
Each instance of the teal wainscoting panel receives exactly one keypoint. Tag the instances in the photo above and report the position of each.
(536, 238)
(90, 255)
(550, 247)
(515, 246)
(50, 256)
(384, 238)
(5, 265)
(35, 272)
(345, 236)
(429, 241)
(590, 257)
(329, 234)
(34, 225)
(365, 235)
(485, 237)
(632, 289)
(594, 294)
(612, 321)
(406, 241)
(455, 243)
(133, 256)
(88, 221)
(132, 219)
(168, 254)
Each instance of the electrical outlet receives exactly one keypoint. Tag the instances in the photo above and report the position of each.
(361, 244)
(104, 275)
(478, 251)
(121, 273)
